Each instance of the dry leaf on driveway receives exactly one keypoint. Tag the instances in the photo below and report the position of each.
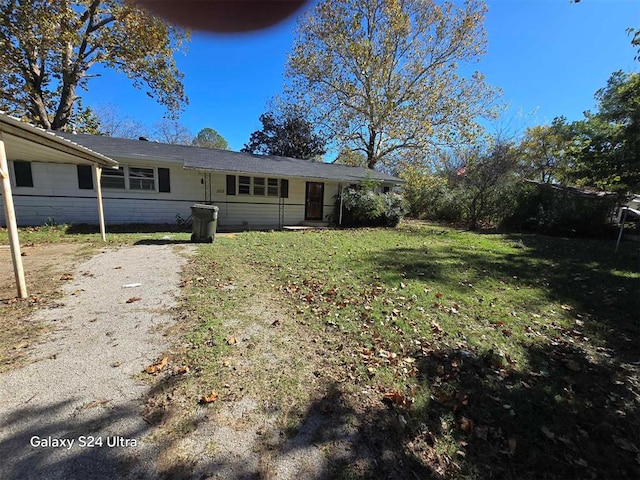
(212, 397)
(134, 299)
(158, 366)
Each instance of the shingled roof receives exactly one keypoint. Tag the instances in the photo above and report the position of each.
(214, 160)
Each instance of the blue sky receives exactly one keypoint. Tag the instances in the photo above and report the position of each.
(548, 57)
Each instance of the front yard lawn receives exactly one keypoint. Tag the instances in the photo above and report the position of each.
(461, 355)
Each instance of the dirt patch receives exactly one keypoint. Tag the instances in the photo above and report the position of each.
(44, 266)
(41, 263)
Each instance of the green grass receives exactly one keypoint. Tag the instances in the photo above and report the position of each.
(509, 355)
(496, 355)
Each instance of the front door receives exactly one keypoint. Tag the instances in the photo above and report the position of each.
(313, 201)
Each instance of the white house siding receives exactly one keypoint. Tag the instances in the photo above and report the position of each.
(246, 211)
(56, 197)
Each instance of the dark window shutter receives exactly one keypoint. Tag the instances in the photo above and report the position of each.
(164, 184)
(85, 177)
(23, 174)
(284, 188)
(231, 184)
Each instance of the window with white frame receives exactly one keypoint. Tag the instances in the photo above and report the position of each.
(142, 178)
(244, 185)
(272, 187)
(136, 178)
(111, 178)
(258, 185)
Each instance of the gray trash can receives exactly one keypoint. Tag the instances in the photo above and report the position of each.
(205, 219)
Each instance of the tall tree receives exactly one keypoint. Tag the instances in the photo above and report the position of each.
(607, 143)
(287, 135)
(48, 49)
(382, 75)
(209, 138)
(172, 131)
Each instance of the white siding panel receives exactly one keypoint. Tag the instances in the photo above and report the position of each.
(56, 197)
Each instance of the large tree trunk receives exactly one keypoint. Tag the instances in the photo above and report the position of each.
(65, 107)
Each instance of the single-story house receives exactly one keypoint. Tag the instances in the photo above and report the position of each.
(158, 183)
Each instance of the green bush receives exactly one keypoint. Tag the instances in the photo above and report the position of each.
(556, 210)
(364, 207)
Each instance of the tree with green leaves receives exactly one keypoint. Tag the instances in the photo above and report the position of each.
(382, 76)
(49, 48)
(545, 151)
(209, 138)
(286, 135)
(607, 143)
(353, 158)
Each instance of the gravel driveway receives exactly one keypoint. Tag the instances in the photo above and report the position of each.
(75, 412)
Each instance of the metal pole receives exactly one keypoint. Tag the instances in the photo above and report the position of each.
(12, 225)
(624, 218)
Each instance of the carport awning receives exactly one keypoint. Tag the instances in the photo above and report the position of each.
(21, 141)
(32, 144)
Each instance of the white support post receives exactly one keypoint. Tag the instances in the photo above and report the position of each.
(12, 225)
(98, 175)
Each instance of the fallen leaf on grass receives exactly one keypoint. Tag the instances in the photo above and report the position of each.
(232, 341)
(134, 299)
(275, 323)
(212, 397)
(184, 369)
(466, 424)
(66, 276)
(158, 366)
(394, 397)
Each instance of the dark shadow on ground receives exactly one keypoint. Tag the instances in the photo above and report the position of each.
(151, 241)
(24, 457)
(564, 417)
(84, 228)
